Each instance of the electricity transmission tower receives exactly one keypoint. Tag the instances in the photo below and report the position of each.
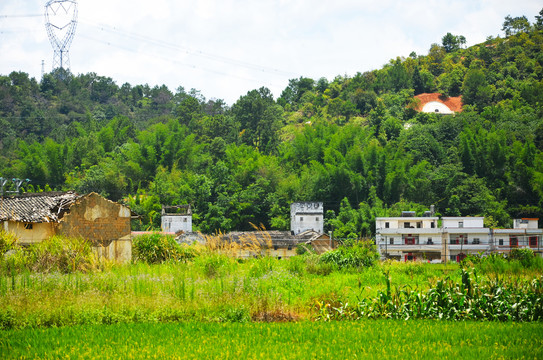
(60, 22)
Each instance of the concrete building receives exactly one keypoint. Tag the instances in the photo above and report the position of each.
(306, 216)
(35, 217)
(420, 238)
(176, 219)
(464, 236)
(524, 234)
(408, 237)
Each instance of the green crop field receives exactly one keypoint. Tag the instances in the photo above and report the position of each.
(206, 304)
(303, 340)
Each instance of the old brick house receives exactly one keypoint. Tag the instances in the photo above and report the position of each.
(35, 217)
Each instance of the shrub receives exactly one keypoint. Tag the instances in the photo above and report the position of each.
(57, 253)
(156, 248)
(212, 264)
(361, 253)
(517, 259)
(315, 266)
(525, 256)
(7, 241)
(63, 254)
(302, 249)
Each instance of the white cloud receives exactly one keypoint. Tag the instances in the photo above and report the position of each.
(226, 48)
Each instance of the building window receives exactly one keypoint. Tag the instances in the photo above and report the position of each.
(433, 225)
(476, 241)
(317, 219)
(419, 225)
(407, 225)
(301, 218)
(460, 224)
(28, 226)
(453, 257)
(185, 220)
(410, 240)
(387, 225)
(391, 240)
(513, 242)
(533, 241)
(500, 242)
(430, 242)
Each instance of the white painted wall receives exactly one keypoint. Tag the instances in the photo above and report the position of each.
(437, 107)
(175, 223)
(467, 222)
(306, 216)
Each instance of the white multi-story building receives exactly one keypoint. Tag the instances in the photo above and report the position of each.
(524, 234)
(464, 236)
(408, 237)
(305, 216)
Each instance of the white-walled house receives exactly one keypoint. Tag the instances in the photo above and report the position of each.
(306, 216)
(176, 219)
(465, 236)
(524, 234)
(408, 237)
(427, 238)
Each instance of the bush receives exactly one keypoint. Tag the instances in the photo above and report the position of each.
(302, 249)
(156, 248)
(525, 256)
(57, 253)
(515, 260)
(315, 266)
(361, 253)
(213, 264)
(7, 241)
(63, 254)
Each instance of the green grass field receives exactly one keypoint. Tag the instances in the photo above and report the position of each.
(208, 289)
(215, 306)
(420, 339)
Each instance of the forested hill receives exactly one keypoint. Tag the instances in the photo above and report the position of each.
(356, 143)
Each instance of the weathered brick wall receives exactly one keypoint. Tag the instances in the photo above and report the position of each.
(97, 219)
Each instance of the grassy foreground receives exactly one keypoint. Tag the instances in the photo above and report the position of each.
(419, 339)
(210, 289)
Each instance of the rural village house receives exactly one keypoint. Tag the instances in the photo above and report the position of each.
(408, 237)
(306, 216)
(176, 218)
(35, 217)
(279, 244)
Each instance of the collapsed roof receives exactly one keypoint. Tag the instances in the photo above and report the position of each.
(37, 207)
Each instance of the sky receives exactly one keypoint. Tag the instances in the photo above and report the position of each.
(226, 48)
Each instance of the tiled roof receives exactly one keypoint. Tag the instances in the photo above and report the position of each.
(36, 207)
(453, 103)
(277, 238)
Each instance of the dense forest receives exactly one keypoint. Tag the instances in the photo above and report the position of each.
(356, 143)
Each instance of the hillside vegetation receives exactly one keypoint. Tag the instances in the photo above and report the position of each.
(356, 143)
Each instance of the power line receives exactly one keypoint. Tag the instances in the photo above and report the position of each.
(168, 59)
(19, 16)
(189, 51)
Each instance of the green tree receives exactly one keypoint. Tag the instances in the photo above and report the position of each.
(512, 26)
(452, 42)
(475, 89)
(259, 118)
